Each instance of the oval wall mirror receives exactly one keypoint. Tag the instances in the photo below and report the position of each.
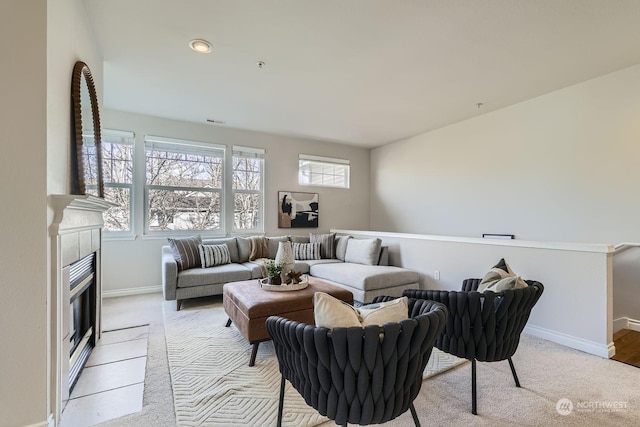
(87, 144)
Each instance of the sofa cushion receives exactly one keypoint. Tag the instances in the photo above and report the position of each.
(272, 245)
(185, 251)
(212, 255)
(244, 249)
(210, 276)
(312, 262)
(231, 244)
(363, 251)
(299, 239)
(341, 246)
(364, 277)
(256, 271)
(306, 251)
(327, 249)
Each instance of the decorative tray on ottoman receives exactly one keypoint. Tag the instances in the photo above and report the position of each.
(284, 288)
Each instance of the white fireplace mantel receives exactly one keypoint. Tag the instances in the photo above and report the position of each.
(76, 213)
(76, 231)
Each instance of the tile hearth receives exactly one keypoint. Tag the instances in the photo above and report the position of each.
(112, 382)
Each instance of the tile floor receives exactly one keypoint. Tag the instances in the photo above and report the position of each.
(112, 383)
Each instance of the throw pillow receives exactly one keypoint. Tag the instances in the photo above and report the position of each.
(185, 251)
(341, 246)
(330, 312)
(212, 255)
(327, 250)
(306, 251)
(363, 251)
(499, 278)
(384, 312)
(258, 248)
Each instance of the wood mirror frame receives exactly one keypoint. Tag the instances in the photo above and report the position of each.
(86, 158)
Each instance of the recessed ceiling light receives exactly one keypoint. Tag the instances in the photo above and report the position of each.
(200, 46)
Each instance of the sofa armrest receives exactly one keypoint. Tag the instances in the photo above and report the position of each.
(384, 256)
(169, 274)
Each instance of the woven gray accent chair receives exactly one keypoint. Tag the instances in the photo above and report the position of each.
(483, 326)
(360, 375)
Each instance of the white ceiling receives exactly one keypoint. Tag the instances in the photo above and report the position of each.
(362, 72)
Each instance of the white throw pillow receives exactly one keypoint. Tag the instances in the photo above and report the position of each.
(212, 255)
(363, 251)
(331, 312)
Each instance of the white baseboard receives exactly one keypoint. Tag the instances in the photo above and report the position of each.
(626, 323)
(49, 422)
(131, 291)
(602, 350)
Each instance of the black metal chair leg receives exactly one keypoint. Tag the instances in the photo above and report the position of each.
(513, 371)
(474, 410)
(414, 415)
(281, 403)
(228, 323)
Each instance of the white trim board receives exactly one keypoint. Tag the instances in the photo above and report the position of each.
(562, 246)
(626, 323)
(132, 291)
(606, 351)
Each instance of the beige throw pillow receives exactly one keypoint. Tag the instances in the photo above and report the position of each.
(330, 312)
(499, 278)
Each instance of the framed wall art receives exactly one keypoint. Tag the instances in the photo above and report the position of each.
(297, 210)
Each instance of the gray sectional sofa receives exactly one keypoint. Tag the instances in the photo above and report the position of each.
(358, 265)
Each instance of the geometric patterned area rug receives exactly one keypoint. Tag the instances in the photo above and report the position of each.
(213, 384)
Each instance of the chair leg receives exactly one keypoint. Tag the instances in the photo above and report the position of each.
(228, 322)
(281, 403)
(414, 415)
(513, 371)
(474, 410)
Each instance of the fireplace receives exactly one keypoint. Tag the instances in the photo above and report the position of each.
(76, 293)
(82, 313)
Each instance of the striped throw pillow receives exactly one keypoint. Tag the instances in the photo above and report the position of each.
(306, 251)
(185, 251)
(212, 255)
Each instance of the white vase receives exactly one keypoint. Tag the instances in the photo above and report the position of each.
(285, 256)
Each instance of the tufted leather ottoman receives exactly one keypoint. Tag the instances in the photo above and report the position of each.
(248, 306)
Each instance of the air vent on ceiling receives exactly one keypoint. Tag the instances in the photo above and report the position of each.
(216, 122)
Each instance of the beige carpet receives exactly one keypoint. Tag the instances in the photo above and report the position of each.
(213, 384)
(548, 373)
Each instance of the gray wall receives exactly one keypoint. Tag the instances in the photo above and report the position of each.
(136, 264)
(560, 167)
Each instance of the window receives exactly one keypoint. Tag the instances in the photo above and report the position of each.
(248, 188)
(184, 185)
(117, 169)
(323, 171)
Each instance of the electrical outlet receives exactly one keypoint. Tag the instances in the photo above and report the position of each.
(437, 274)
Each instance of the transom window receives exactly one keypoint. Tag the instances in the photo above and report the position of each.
(323, 171)
(184, 185)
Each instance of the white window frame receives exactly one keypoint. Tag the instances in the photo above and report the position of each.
(305, 178)
(126, 138)
(251, 152)
(196, 147)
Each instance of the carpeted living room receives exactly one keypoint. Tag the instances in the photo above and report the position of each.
(320, 213)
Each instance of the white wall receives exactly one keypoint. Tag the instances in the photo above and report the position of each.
(23, 213)
(136, 264)
(69, 39)
(560, 167)
(574, 309)
(626, 290)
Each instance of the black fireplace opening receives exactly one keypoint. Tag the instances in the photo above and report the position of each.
(82, 316)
